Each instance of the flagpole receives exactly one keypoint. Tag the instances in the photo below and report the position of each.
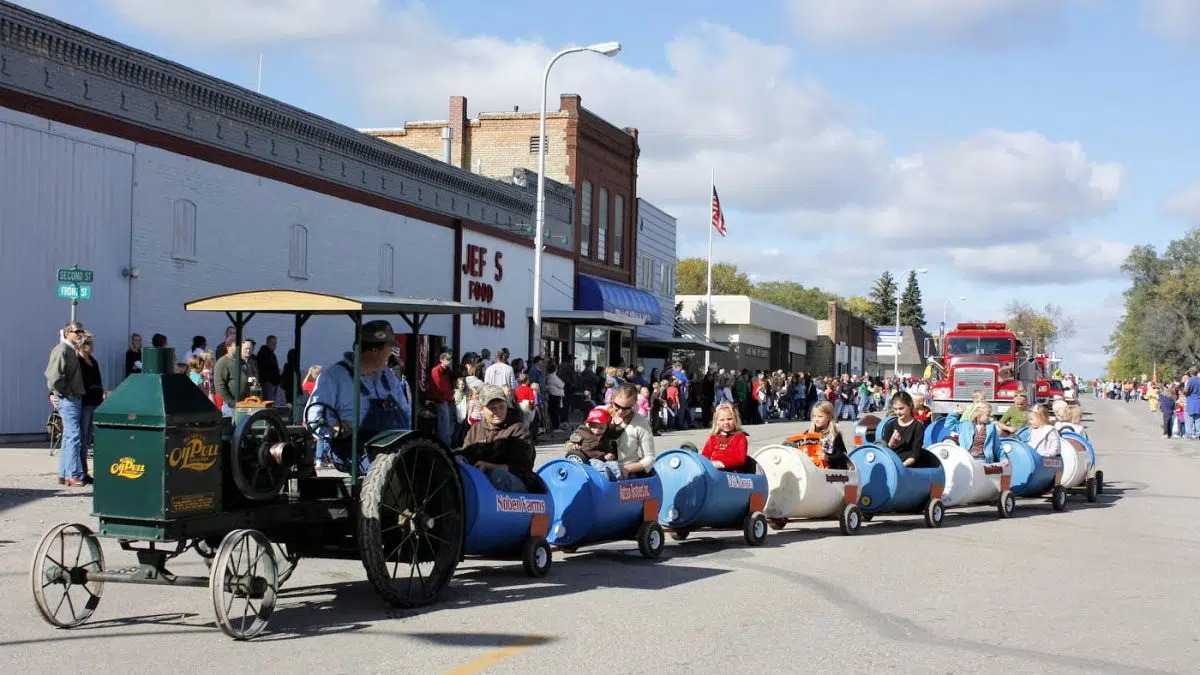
(712, 187)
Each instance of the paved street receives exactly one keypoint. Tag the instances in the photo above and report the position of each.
(1109, 587)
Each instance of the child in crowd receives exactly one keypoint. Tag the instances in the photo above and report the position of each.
(1166, 405)
(922, 411)
(596, 441)
(727, 445)
(643, 402)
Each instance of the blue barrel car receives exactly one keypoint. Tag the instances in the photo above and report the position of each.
(936, 432)
(698, 495)
(506, 524)
(865, 427)
(890, 487)
(588, 508)
(1034, 475)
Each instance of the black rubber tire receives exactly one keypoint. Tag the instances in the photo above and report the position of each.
(754, 529)
(1099, 482)
(1091, 490)
(1058, 498)
(679, 535)
(935, 513)
(850, 520)
(446, 551)
(777, 524)
(650, 540)
(1006, 505)
(868, 517)
(536, 557)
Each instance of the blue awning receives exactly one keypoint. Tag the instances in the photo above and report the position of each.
(593, 294)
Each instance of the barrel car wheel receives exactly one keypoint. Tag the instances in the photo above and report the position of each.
(851, 519)
(650, 540)
(1007, 504)
(754, 529)
(64, 595)
(1058, 498)
(244, 583)
(935, 512)
(1099, 482)
(680, 535)
(777, 523)
(410, 529)
(536, 557)
(1091, 489)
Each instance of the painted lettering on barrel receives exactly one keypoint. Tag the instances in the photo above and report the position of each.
(636, 492)
(990, 469)
(837, 478)
(510, 504)
(739, 482)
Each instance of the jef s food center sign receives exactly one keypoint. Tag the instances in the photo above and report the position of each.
(482, 273)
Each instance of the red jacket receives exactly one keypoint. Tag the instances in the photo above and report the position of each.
(440, 389)
(728, 450)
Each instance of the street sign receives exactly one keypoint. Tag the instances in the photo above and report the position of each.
(74, 275)
(73, 291)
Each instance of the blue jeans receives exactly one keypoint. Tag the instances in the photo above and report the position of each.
(610, 468)
(69, 457)
(445, 422)
(87, 430)
(505, 481)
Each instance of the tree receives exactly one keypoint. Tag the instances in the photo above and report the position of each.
(790, 295)
(912, 307)
(683, 356)
(857, 304)
(1044, 328)
(883, 301)
(1161, 326)
(691, 278)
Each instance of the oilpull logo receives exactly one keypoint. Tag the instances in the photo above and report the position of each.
(739, 482)
(638, 492)
(520, 505)
(127, 467)
(195, 455)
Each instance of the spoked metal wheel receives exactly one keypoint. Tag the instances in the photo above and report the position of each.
(287, 561)
(410, 526)
(244, 583)
(64, 595)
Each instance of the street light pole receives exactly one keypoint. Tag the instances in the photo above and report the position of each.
(946, 311)
(896, 354)
(607, 49)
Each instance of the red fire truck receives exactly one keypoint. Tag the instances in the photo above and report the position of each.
(986, 357)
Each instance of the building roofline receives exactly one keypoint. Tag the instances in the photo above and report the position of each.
(57, 41)
(752, 301)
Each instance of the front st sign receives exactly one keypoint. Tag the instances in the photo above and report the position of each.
(71, 291)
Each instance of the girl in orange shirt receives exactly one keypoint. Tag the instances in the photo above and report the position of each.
(726, 446)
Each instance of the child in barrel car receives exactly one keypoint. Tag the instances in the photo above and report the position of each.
(595, 441)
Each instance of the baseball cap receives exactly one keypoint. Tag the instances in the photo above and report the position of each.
(598, 415)
(377, 332)
(491, 392)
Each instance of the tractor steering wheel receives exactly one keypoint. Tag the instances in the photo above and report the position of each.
(322, 428)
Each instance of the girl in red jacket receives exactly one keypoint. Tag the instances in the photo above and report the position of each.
(726, 446)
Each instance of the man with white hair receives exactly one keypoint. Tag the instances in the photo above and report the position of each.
(64, 379)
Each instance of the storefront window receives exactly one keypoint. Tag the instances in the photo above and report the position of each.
(591, 344)
(618, 229)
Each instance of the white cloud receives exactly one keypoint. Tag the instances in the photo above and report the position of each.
(795, 173)
(1050, 261)
(1185, 204)
(1177, 20)
(881, 23)
(248, 22)
(1015, 185)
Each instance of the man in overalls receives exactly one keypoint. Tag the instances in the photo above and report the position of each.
(384, 401)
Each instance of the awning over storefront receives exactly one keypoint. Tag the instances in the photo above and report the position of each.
(593, 294)
(590, 318)
(697, 343)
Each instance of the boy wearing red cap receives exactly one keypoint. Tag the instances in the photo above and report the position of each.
(596, 442)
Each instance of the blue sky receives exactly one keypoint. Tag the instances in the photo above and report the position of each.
(1015, 148)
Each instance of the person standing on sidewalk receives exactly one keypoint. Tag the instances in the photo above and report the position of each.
(64, 379)
(441, 396)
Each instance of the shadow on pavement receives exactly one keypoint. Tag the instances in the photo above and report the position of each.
(11, 498)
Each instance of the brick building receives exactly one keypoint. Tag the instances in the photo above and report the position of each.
(583, 150)
(599, 160)
(845, 343)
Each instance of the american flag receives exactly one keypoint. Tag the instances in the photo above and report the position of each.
(718, 218)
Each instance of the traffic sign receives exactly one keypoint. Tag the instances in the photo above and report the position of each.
(74, 275)
(72, 291)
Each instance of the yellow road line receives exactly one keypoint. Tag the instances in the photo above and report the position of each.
(493, 657)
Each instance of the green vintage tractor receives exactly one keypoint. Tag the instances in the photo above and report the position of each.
(173, 475)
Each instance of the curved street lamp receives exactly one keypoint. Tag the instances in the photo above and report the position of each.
(605, 49)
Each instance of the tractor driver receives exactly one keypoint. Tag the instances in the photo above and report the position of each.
(384, 403)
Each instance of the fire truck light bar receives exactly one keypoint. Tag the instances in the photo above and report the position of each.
(986, 325)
